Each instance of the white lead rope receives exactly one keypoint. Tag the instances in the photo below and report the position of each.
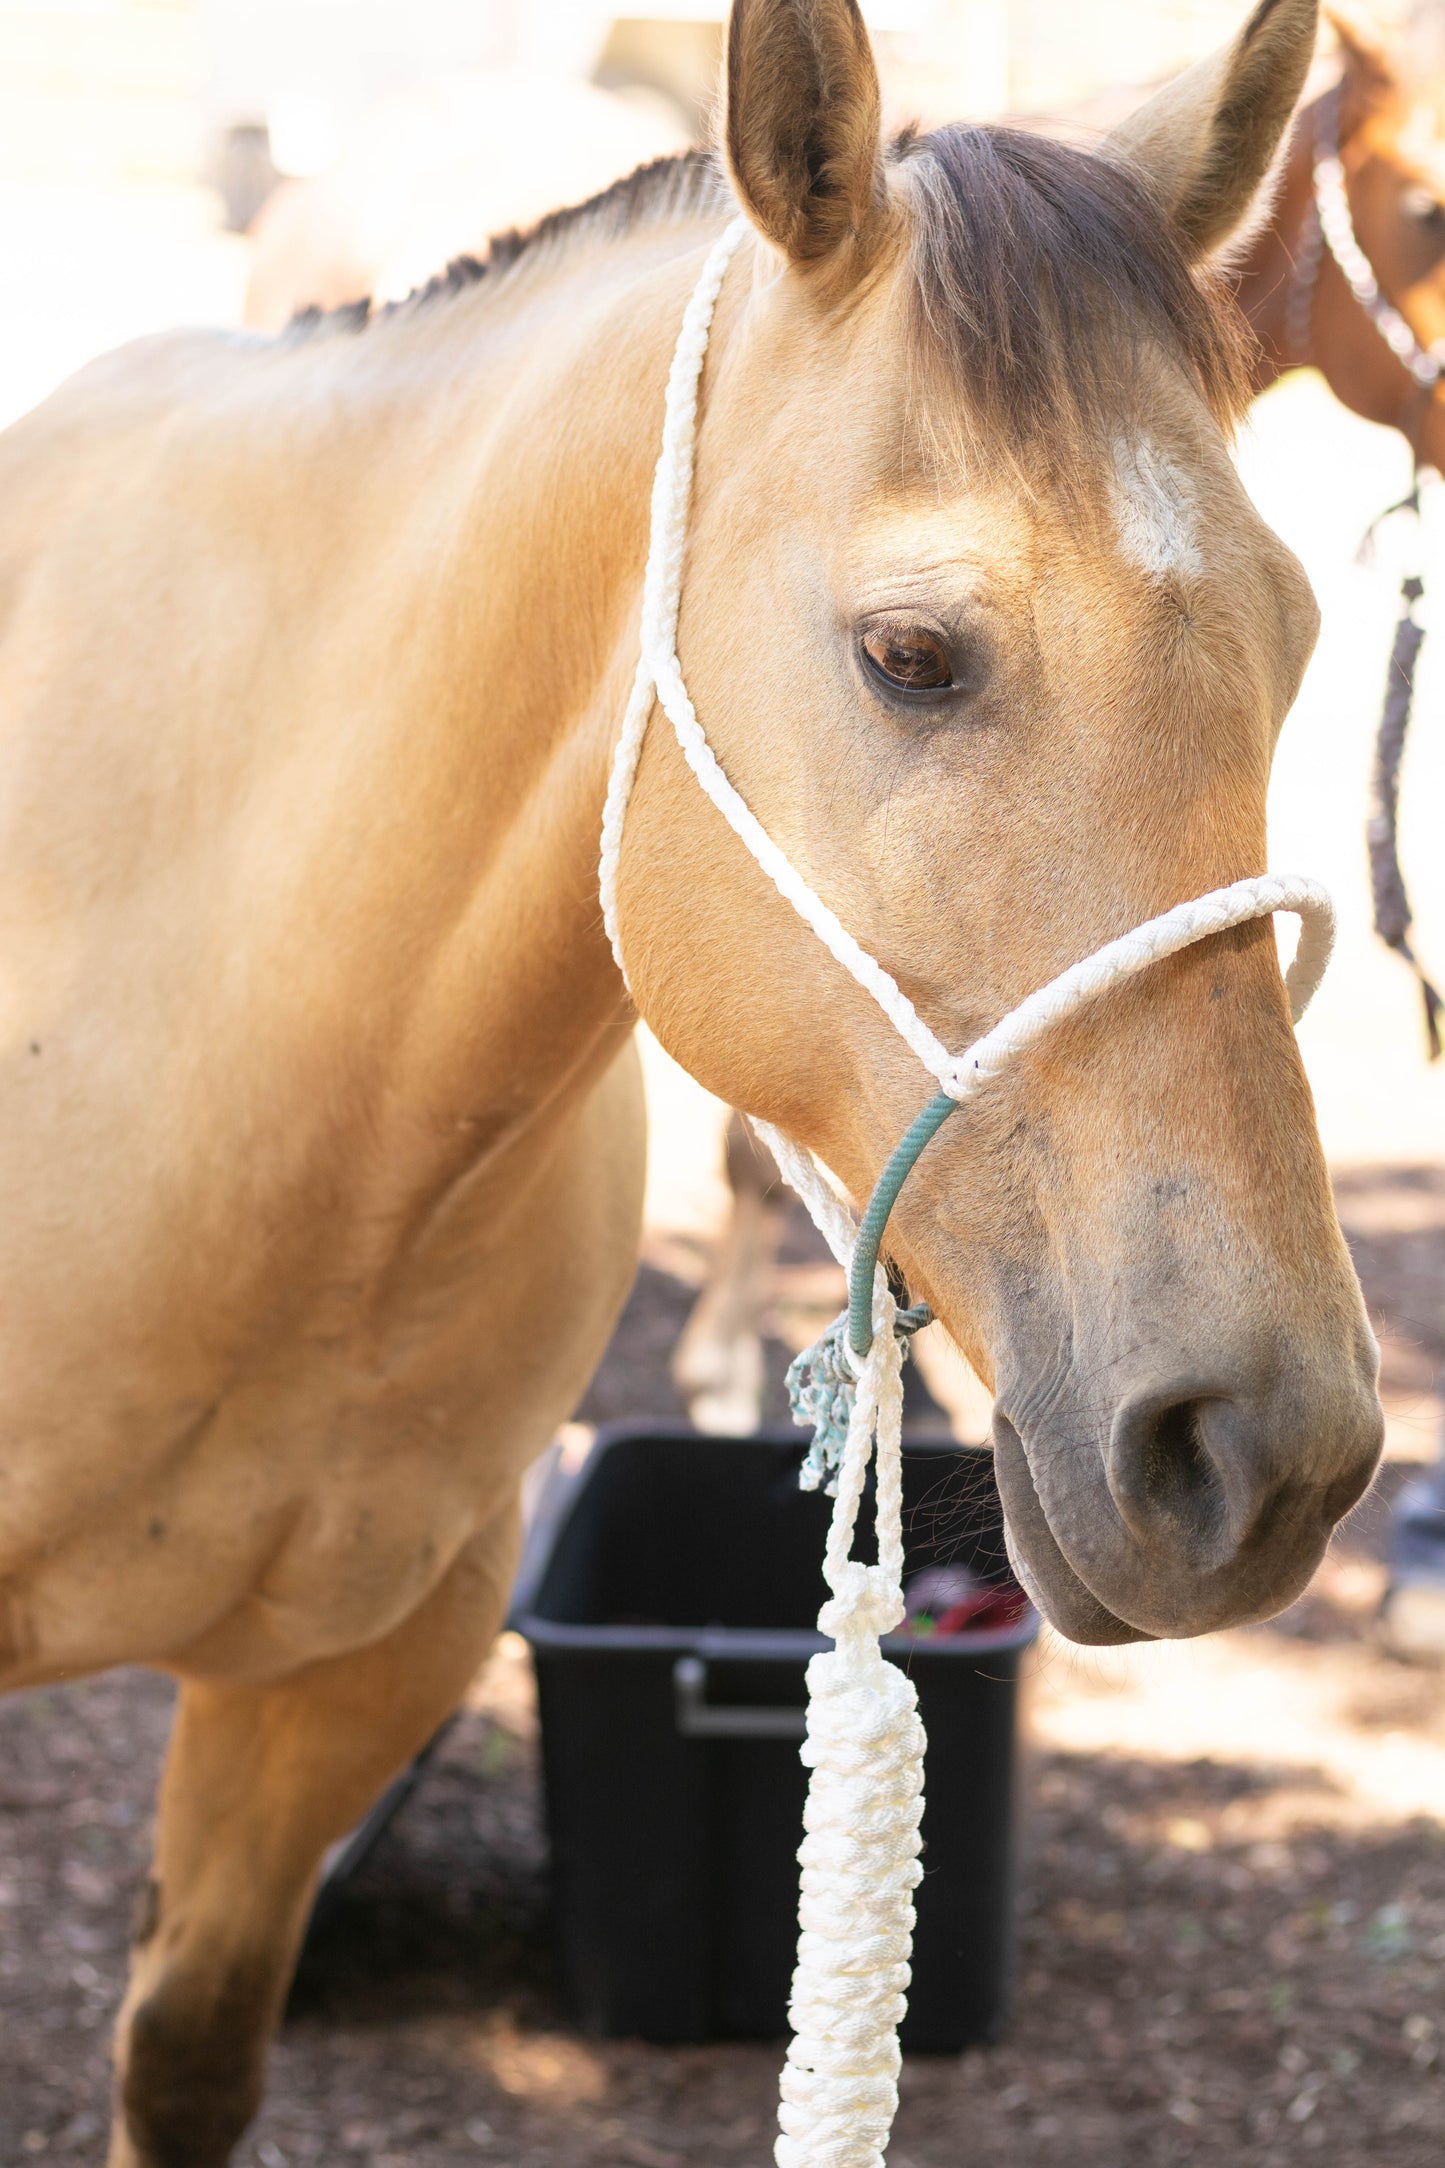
(864, 1742)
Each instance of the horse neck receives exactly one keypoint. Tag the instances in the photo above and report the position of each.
(524, 461)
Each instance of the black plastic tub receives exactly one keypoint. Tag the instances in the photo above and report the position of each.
(670, 1595)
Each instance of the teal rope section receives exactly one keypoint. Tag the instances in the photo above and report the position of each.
(904, 1159)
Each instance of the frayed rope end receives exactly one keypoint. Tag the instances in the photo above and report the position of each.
(822, 1389)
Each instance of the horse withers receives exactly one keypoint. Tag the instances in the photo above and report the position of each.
(322, 1145)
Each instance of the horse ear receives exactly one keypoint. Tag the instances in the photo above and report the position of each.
(1206, 141)
(803, 122)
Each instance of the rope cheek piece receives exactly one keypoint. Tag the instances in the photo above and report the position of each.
(864, 1743)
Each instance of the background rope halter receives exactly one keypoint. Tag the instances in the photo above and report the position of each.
(1336, 226)
(1393, 916)
(864, 1742)
(1329, 223)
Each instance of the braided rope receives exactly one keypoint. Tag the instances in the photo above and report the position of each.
(660, 672)
(1148, 944)
(662, 581)
(864, 1742)
(1337, 227)
(829, 1214)
(859, 1856)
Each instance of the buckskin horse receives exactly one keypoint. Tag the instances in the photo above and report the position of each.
(1379, 111)
(321, 1155)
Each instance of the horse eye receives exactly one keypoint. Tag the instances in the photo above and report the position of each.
(1426, 209)
(908, 659)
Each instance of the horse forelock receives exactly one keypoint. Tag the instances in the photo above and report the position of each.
(1045, 282)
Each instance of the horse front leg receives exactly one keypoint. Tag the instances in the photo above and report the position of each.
(718, 1366)
(259, 1781)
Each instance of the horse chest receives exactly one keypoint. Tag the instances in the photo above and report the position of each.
(239, 1485)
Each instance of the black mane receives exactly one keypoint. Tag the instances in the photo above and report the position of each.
(664, 188)
(1041, 272)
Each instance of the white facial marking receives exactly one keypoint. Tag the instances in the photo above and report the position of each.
(1154, 506)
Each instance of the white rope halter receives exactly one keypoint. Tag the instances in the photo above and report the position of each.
(864, 1740)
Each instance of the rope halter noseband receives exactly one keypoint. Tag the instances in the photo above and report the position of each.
(864, 1741)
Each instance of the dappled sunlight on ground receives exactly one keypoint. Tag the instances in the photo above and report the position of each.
(1232, 1931)
(1349, 1742)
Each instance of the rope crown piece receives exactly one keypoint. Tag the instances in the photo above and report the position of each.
(864, 1743)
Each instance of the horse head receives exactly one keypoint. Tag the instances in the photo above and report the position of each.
(1349, 273)
(984, 628)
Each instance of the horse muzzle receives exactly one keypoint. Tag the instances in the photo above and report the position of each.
(1192, 1505)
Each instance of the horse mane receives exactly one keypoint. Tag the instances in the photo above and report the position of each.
(1044, 274)
(678, 186)
(1041, 274)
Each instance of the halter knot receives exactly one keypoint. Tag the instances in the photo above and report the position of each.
(865, 1603)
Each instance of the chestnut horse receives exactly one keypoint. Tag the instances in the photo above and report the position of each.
(322, 1150)
(1384, 115)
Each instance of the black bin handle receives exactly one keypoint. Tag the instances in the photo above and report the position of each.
(698, 1718)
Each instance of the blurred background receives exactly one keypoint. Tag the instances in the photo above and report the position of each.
(1234, 1924)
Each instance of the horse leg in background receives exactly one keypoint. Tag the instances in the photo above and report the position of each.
(259, 1781)
(1413, 1616)
(718, 1367)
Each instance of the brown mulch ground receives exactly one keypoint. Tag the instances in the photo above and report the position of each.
(1217, 1965)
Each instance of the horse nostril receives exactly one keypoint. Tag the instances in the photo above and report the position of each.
(1164, 1478)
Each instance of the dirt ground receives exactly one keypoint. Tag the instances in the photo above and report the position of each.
(1232, 1933)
